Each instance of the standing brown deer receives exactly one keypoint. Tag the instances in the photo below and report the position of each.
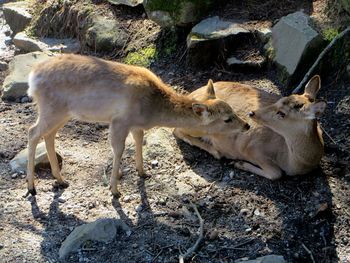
(284, 133)
(129, 98)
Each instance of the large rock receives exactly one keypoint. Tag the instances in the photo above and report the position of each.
(19, 162)
(27, 44)
(295, 46)
(105, 35)
(176, 12)
(7, 50)
(266, 259)
(103, 230)
(16, 83)
(131, 3)
(208, 40)
(17, 15)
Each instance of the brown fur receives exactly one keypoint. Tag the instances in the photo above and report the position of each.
(284, 134)
(130, 98)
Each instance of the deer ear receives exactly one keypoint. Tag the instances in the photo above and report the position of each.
(210, 89)
(312, 87)
(316, 110)
(200, 109)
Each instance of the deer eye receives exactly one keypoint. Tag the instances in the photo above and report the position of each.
(228, 120)
(298, 106)
(281, 114)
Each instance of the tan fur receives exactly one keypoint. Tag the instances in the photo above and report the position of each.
(292, 143)
(130, 98)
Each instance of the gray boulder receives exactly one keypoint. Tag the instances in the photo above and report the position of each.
(104, 230)
(17, 15)
(131, 3)
(210, 37)
(28, 44)
(176, 12)
(105, 35)
(19, 162)
(16, 83)
(296, 45)
(266, 259)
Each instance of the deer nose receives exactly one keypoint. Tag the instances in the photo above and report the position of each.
(247, 126)
(251, 114)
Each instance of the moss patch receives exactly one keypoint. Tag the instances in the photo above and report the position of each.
(143, 57)
(330, 33)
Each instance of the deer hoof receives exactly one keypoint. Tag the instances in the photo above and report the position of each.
(144, 175)
(30, 192)
(116, 194)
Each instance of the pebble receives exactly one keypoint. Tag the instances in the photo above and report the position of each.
(248, 229)
(126, 198)
(138, 208)
(154, 163)
(256, 212)
(134, 245)
(61, 200)
(25, 99)
(231, 174)
(3, 66)
(14, 176)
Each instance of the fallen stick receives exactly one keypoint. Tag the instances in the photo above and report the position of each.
(309, 252)
(192, 249)
(323, 53)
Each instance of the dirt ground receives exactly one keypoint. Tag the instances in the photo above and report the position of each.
(305, 218)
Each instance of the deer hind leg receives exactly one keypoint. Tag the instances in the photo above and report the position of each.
(44, 126)
(50, 148)
(118, 133)
(194, 141)
(138, 137)
(267, 170)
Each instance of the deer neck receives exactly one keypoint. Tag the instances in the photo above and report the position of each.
(175, 110)
(305, 146)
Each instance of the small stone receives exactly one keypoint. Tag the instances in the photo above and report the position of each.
(244, 212)
(126, 198)
(134, 245)
(61, 200)
(257, 212)
(25, 99)
(154, 164)
(248, 229)
(14, 175)
(231, 174)
(213, 235)
(139, 208)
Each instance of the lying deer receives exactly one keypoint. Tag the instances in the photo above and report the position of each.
(129, 98)
(284, 133)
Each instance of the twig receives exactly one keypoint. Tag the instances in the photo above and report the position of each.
(237, 246)
(323, 53)
(309, 252)
(192, 249)
(328, 135)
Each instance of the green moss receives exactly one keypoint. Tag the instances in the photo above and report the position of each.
(330, 33)
(143, 57)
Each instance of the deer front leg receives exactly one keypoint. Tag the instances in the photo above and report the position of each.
(267, 170)
(197, 142)
(118, 134)
(137, 134)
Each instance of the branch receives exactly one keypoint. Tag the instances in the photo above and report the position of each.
(323, 53)
(309, 252)
(192, 249)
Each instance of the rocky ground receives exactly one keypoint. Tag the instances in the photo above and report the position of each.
(305, 219)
